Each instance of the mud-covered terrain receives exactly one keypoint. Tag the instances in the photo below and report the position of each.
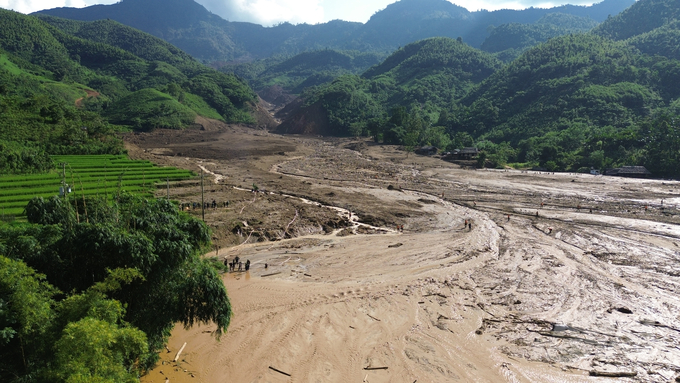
(559, 278)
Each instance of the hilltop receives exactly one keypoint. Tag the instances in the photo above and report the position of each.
(575, 102)
(432, 73)
(206, 36)
(66, 86)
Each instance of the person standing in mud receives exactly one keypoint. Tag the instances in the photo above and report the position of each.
(247, 264)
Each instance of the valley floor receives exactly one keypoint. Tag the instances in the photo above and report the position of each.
(561, 276)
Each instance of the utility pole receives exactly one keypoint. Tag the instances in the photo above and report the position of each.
(63, 179)
(202, 199)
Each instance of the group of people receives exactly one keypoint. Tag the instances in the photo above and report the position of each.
(206, 205)
(236, 263)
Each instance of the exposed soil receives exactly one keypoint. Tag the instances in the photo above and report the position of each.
(90, 93)
(539, 289)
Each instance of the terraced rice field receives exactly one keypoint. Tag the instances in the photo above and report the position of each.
(102, 175)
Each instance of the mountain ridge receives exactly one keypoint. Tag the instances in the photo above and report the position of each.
(207, 36)
(67, 86)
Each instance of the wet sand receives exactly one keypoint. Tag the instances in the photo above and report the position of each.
(508, 300)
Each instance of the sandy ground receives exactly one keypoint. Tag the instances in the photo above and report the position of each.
(588, 286)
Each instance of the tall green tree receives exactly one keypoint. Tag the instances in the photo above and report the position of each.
(151, 236)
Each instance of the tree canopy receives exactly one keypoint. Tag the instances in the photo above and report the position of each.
(102, 288)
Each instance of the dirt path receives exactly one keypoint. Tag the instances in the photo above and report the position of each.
(526, 299)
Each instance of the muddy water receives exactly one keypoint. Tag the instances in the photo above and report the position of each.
(552, 298)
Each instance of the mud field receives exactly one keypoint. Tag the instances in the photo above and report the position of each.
(560, 278)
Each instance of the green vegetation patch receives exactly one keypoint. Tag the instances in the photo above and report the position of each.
(7, 65)
(198, 105)
(95, 175)
(148, 109)
(65, 92)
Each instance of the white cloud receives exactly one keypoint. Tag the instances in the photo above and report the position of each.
(353, 10)
(30, 6)
(267, 12)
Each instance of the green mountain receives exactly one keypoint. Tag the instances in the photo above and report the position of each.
(650, 26)
(581, 78)
(642, 17)
(431, 73)
(189, 26)
(192, 28)
(304, 70)
(510, 40)
(64, 86)
(662, 41)
(571, 103)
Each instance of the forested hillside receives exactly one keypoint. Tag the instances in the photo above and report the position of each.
(508, 41)
(66, 86)
(192, 28)
(651, 26)
(574, 102)
(271, 56)
(431, 74)
(304, 70)
(641, 17)
(70, 316)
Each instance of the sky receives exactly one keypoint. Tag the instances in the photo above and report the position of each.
(270, 12)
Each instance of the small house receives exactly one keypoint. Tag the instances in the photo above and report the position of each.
(629, 171)
(462, 154)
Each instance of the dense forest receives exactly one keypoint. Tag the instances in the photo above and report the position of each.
(66, 86)
(431, 73)
(575, 102)
(189, 26)
(308, 69)
(317, 67)
(70, 317)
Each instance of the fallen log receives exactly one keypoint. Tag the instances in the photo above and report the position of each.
(375, 368)
(279, 371)
(615, 374)
(435, 294)
(372, 317)
(269, 275)
(179, 352)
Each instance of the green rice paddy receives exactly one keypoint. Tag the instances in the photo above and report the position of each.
(90, 175)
